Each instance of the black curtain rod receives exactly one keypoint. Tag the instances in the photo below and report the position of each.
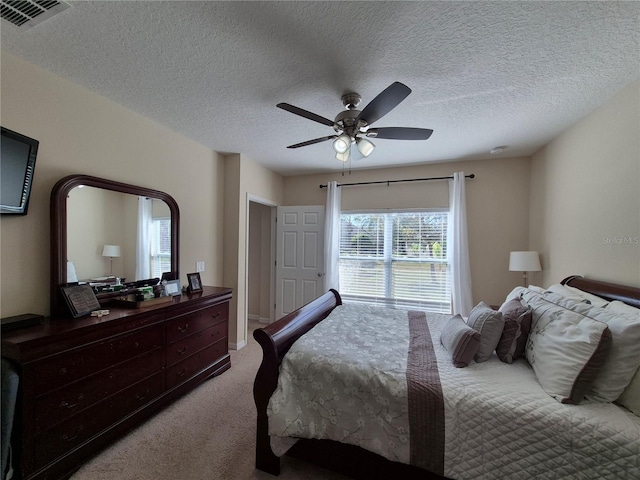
(388, 182)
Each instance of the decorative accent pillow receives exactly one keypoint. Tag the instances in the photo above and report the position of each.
(489, 323)
(461, 340)
(517, 323)
(624, 358)
(630, 398)
(565, 349)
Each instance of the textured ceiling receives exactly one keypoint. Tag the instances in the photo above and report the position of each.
(483, 74)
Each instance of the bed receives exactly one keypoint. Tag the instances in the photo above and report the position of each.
(429, 418)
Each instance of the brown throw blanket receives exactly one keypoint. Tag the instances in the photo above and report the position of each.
(426, 404)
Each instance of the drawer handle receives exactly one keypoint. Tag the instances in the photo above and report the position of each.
(142, 396)
(183, 329)
(62, 371)
(182, 351)
(182, 372)
(216, 315)
(69, 437)
(136, 344)
(65, 404)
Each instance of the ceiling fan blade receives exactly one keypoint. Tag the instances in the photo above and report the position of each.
(386, 101)
(400, 133)
(305, 114)
(311, 142)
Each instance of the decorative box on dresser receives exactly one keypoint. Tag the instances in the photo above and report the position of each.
(85, 382)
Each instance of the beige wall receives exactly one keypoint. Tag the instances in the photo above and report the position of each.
(81, 132)
(244, 178)
(584, 198)
(585, 195)
(497, 209)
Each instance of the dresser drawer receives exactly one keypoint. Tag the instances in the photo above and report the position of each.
(185, 325)
(182, 349)
(189, 367)
(67, 435)
(68, 367)
(73, 398)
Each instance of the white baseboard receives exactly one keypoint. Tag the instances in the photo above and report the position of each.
(237, 346)
(258, 318)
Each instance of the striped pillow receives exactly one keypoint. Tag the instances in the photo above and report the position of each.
(461, 340)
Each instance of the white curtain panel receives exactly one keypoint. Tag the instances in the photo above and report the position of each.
(143, 244)
(458, 247)
(332, 237)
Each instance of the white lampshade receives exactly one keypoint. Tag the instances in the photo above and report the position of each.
(342, 143)
(365, 147)
(111, 251)
(524, 262)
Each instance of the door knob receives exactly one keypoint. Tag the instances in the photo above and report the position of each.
(319, 274)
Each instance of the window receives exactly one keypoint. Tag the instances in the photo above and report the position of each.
(160, 246)
(396, 259)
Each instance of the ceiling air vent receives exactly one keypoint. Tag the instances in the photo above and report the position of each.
(27, 13)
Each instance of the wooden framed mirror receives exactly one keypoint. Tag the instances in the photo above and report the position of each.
(110, 213)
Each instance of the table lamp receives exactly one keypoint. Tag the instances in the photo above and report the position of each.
(111, 251)
(524, 262)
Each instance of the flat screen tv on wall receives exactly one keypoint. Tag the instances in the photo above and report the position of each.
(17, 164)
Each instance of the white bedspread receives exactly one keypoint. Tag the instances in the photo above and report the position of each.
(345, 380)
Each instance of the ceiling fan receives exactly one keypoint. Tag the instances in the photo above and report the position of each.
(353, 126)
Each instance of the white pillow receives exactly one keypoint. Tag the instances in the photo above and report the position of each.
(624, 358)
(565, 292)
(519, 291)
(515, 293)
(565, 348)
(621, 307)
(594, 300)
(630, 398)
(536, 289)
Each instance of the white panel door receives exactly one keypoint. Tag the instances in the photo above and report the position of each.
(299, 257)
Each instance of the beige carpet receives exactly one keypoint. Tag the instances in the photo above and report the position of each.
(208, 434)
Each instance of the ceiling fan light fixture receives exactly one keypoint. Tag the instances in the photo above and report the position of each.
(345, 156)
(342, 143)
(365, 147)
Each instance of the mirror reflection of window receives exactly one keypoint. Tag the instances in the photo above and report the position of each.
(160, 246)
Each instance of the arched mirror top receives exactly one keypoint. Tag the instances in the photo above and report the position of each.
(62, 238)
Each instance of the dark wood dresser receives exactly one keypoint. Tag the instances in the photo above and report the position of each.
(85, 382)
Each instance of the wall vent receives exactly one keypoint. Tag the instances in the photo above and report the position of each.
(28, 13)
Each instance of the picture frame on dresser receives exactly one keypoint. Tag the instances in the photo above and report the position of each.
(171, 287)
(80, 299)
(195, 284)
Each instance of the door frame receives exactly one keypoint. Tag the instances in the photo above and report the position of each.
(272, 293)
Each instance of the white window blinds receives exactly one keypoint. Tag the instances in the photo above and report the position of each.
(160, 246)
(395, 259)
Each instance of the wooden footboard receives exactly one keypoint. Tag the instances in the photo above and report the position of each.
(275, 340)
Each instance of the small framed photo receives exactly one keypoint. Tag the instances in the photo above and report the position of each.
(195, 284)
(172, 287)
